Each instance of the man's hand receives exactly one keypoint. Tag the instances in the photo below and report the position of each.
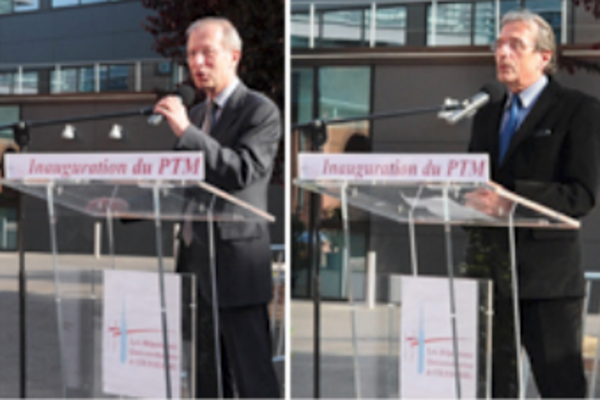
(174, 111)
(489, 202)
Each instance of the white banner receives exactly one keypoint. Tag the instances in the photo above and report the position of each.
(132, 341)
(106, 166)
(395, 167)
(427, 367)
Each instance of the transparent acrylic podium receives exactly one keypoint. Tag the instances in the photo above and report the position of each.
(375, 296)
(79, 288)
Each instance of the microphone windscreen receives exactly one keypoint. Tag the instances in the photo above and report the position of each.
(187, 94)
(495, 89)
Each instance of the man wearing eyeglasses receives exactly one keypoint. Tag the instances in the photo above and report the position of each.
(542, 142)
(238, 130)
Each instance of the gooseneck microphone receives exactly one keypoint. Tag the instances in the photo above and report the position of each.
(492, 91)
(185, 93)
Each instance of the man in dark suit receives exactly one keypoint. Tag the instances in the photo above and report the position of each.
(239, 131)
(543, 141)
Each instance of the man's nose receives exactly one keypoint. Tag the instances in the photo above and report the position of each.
(198, 59)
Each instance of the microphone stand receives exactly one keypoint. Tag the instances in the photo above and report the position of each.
(316, 130)
(21, 129)
(21, 136)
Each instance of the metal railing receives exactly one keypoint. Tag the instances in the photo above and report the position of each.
(308, 22)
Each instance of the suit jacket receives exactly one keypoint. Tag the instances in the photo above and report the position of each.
(239, 158)
(552, 160)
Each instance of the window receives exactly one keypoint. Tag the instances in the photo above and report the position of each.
(8, 115)
(344, 91)
(64, 81)
(87, 79)
(118, 78)
(300, 22)
(83, 79)
(390, 26)
(302, 95)
(10, 6)
(485, 23)
(26, 5)
(450, 26)
(350, 27)
(343, 28)
(70, 3)
(64, 3)
(10, 84)
(551, 10)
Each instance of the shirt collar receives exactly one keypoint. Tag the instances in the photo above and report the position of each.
(222, 98)
(529, 95)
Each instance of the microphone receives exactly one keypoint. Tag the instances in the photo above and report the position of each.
(185, 93)
(492, 91)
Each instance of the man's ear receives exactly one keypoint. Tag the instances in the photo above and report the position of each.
(236, 56)
(546, 56)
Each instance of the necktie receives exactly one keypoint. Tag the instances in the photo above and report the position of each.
(210, 116)
(510, 127)
(210, 119)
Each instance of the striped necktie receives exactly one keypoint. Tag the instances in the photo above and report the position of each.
(510, 127)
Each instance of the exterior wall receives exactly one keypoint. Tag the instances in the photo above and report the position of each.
(106, 31)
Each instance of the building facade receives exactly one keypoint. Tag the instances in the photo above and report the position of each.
(357, 58)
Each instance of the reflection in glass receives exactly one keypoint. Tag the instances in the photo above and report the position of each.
(87, 79)
(67, 83)
(452, 24)
(485, 23)
(64, 3)
(344, 28)
(6, 82)
(300, 28)
(390, 23)
(344, 91)
(509, 5)
(30, 82)
(5, 6)
(118, 77)
(8, 115)
(302, 95)
(8, 228)
(551, 10)
(26, 5)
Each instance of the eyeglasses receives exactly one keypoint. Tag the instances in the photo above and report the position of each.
(207, 53)
(514, 44)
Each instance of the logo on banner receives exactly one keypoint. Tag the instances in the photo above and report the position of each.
(432, 355)
(120, 336)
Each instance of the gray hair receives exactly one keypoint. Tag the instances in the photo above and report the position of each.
(231, 37)
(545, 40)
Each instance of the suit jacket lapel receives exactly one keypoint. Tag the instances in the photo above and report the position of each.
(541, 107)
(228, 115)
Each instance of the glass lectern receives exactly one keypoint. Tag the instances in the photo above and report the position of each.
(383, 346)
(144, 319)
